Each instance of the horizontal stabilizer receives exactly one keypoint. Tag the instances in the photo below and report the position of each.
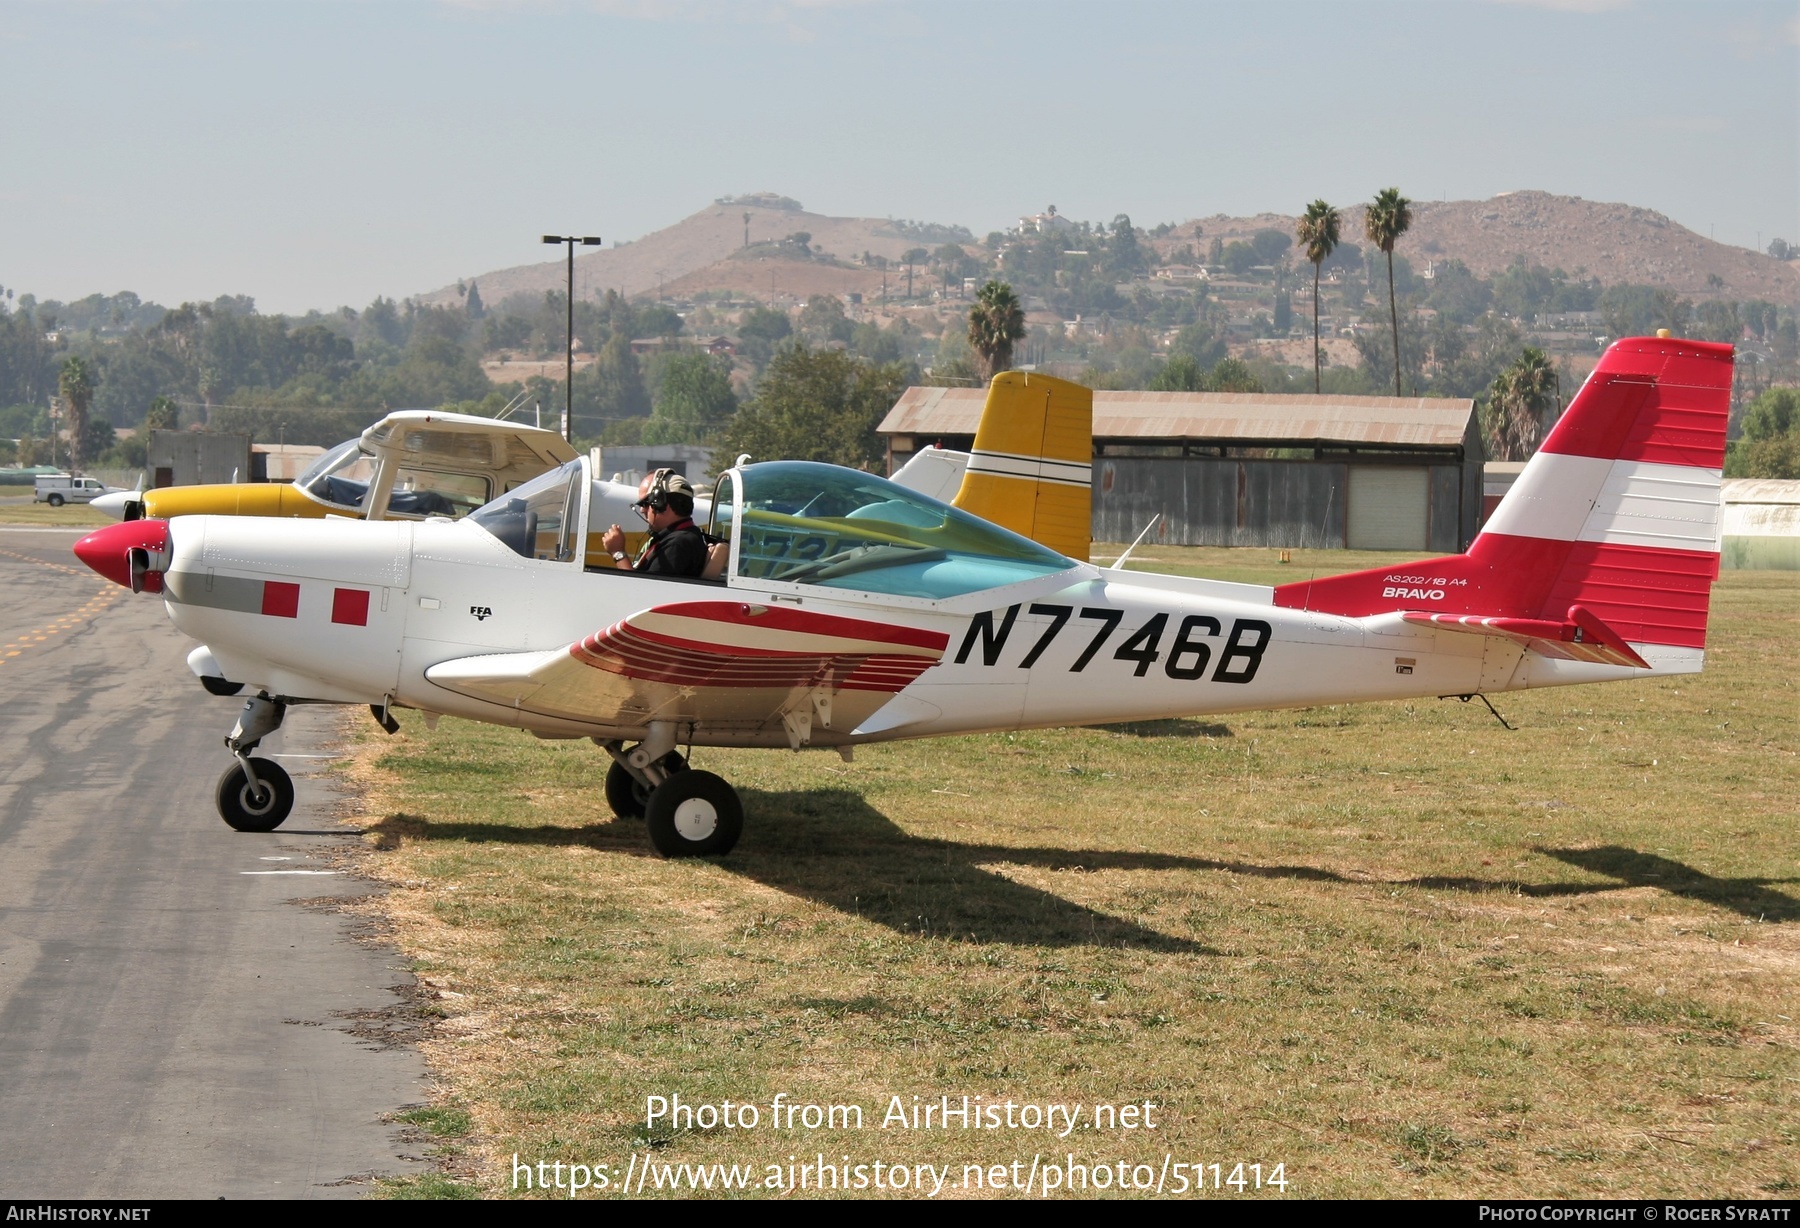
(1579, 637)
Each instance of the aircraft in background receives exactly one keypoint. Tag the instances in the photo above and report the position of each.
(855, 610)
(412, 464)
(418, 463)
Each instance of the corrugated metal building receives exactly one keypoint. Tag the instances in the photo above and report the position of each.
(1254, 469)
(192, 458)
(1760, 528)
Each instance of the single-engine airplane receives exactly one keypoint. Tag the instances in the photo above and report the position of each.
(418, 463)
(854, 610)
(412, 464)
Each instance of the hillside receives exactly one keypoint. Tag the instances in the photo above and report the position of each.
(1612, 242)
(1615, 243)
(697, 253)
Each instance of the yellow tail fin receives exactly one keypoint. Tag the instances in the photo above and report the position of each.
(1032, 466)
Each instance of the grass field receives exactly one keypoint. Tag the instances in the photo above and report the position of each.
(1394, 948)
(73, 514)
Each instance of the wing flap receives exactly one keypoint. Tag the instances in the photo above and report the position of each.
(1581, 636)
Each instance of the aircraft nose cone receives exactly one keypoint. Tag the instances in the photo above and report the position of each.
(116, 503)
(108, 550)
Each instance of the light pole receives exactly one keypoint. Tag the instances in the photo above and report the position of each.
(569, 349)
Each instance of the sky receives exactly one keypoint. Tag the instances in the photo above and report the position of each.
(317, 154)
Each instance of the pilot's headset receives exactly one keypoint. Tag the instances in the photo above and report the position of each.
(655, 491)
(661, 488)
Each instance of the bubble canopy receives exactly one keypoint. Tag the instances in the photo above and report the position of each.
(807, 523)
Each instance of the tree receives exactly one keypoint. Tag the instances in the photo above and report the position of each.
(1200, 342)
(760, 330)
(1518, 404)
(1269, 245)
(97, 438)
(619, 385)
(1238, 258)
(1389, 217)
(1232, 375)
(1318, 233)
(76, 385)
(163, 415)
(912, 256)
(823, 318)
(995, 322)
(1127, 256)
(693, 401)
(1180, 374)
(1770, 446)
(820, 405)
(473, 302)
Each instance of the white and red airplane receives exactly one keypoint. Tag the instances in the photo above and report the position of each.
(852, 609)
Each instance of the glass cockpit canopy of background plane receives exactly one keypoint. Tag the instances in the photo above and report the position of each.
(412, 464)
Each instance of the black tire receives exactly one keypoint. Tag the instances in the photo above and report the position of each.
(221, 686)
(694, 814)
(626, 796)
(54, 500)
(244, 809)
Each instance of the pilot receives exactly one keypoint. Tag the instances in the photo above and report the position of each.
(676, 546)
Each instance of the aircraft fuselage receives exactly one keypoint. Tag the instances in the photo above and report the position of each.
(359, 613)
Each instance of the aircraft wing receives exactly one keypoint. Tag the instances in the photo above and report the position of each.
(728, 664)
(1582, 636)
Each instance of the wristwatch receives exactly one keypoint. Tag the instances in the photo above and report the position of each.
(618, 556)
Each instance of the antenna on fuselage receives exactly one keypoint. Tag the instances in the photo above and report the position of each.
(1120, 561)
(514, 405)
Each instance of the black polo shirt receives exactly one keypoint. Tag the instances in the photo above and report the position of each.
(679, 550)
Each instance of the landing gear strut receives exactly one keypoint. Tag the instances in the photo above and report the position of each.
(688, 813)
(255, 795)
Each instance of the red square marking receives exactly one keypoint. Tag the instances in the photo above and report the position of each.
(350, 605)
(281, 599)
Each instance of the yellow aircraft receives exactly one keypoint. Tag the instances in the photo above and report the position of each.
(412, 464)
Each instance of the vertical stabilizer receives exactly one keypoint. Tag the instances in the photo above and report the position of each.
(1032, 467)
(1614, 521)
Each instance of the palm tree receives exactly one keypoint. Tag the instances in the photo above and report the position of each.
(1318, 234)
(1389, 218)
(1518, 403)
(995, 322)
(76, 384)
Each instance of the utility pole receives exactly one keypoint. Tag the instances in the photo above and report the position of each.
(569, 348)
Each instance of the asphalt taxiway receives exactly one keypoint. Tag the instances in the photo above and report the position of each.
(182, 1012)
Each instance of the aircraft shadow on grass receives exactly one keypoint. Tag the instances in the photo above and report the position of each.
(832, 847)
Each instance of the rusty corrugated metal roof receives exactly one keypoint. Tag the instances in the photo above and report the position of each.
(1391, 421)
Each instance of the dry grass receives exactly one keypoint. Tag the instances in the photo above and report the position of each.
(42, 515)
(1395, 947)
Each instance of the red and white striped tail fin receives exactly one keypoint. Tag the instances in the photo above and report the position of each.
(1612, 527)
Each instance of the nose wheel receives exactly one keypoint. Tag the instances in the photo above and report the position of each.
(261, 804)
(255, 794)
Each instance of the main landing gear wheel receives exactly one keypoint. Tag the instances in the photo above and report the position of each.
(246, 807)
(626, 796)
(694, 814)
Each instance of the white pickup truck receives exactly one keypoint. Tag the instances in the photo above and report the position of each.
(57, 489)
